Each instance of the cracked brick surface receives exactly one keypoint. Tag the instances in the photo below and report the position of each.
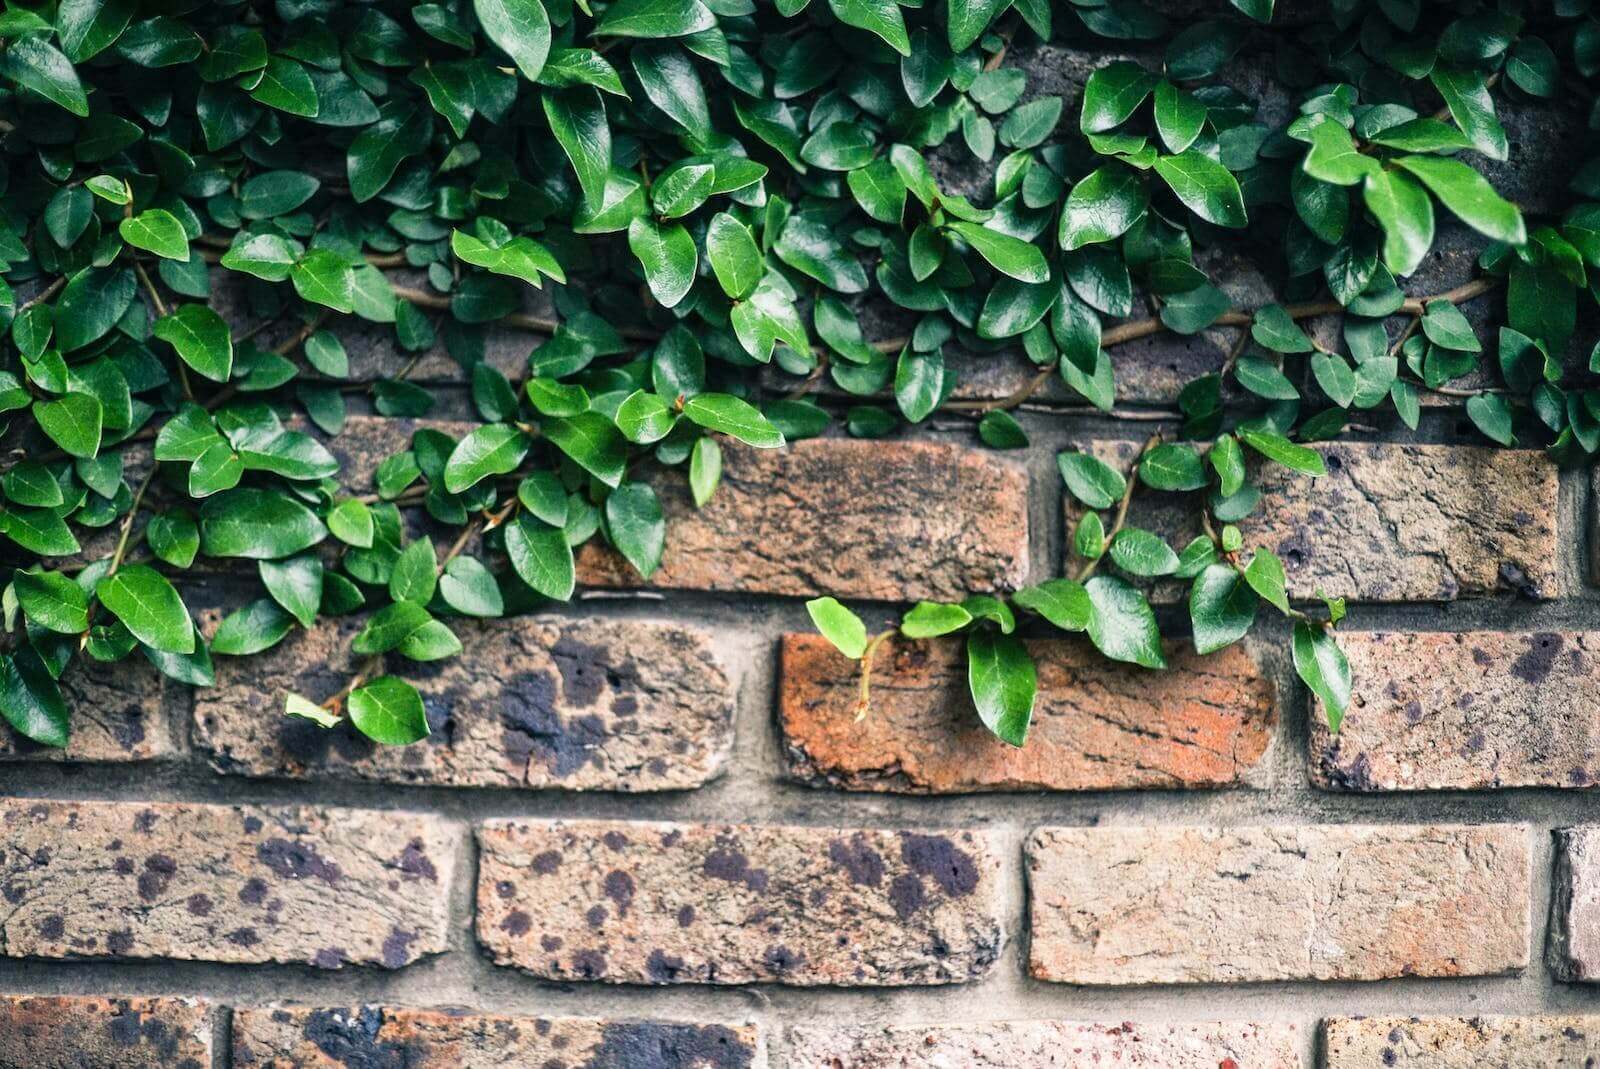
(1574, 948)
(356, 1037)
(1206, 722)
(326, 887)
(1464, 710)
(117, 716)
(1461, 1042)
(89, 1032)
(1184, 905)
(1389, 522)
(862, 519)
(534, 702)
(650, 903)
(1048, 1045)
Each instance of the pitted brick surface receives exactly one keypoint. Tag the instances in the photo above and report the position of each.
(116, 716)
(1049, 1045)
(1574, 950)
(1205, 722)
(357, 1037)
(1465, 710)
(862, 519)
(1182, 905)
(648, 903)
(1390, 522)
(87, 1032)
(1461, 1042)
(327, 887)
(533, 702)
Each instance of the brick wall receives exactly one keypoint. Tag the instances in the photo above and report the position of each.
(648, 834)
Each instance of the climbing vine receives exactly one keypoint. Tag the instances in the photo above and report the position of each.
(691, 207)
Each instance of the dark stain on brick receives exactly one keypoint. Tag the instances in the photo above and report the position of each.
(350, 1038)
(780, 959)
(619, 887)
(120, 943)
(906, 895)
(517, 922)
(413, 862)
(243, 937)
(397, 947)
(658, 1045)
(1536, 661)
(199, 905)
(663, 968)
(547, 863)
(585, 670)
(123, 866)
(53, 926)
(296, 861)
(551, 943)
(726, 863)
(158, 871)
(254, 891)
(614, 841)
(859, 859)
(329, 958)
(685, 916)
(596, 916)
(1342, 775)
(937, 857)
(589, 964)
(534, 730)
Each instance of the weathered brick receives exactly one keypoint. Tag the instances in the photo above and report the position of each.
(1130, 905)
(1464, 710)
(328, 887)
(1048, 1045)
(1574, 948)
(1206, 722)
(1461, 1042)
(116, 716)
(295, 1037)
(89, 1032)
(655, 903)
(1391, 522)
(889, 520)
(368, 441)
(533, 702)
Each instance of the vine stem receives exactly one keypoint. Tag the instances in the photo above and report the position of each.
(869, 656)
(1131, 481)
(369, 668)
(127, 524)
(43, 295)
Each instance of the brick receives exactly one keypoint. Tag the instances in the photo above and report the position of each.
(1129, 905)
(894, 521)
(298, 1037)
(326, 887)
(534, 702)
(1464, 711)
(116, 716)
(1392, 522)
(367, 441)
(83, 1032)
(1049, 1045)
(1574, 948)
(1461, 1042)
(1206, 722)
(654, 903)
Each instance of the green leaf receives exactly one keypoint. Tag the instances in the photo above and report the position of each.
(156, 230)
(521, 29)
(89, 27)
(1322, 665)
(1122, 625)
(644, 418)
(1063, 602)
(918, 383)
(492, 449)
(39, 531)
(881, 17)
(1113, 93)
(73, 422)
(35, 65)
(1469, 195)
(1334, 157)
(726, 414)
(257, 626)
(735, 259)
(257, 524)
(1091, 480)
(389, 711)
(1404, 211)
(1003, 682)
(705, 470)
(201, 338)
(470, 588)
(930, 619)
(30, 698)
(1172, 466)
(285, 85)
(1274, 329)
(1103, 206)
(323, 277)
(1011, 256)
(1445, 326)
(520, 257)
(668, 256)
(295, 584)
(1179, 117)
(149, 607)
(967, 19)
(636, 526)
(839, 626)
(1141, 553)
(414, 577)
(91, 305)
(541, 557)
(1222, 606)
(52, 601)
(1266, 577)
(1491, 414)
(1277, 447)
(1467, 97)
(1204, 186)
(390, 626)
(654, 18)
(592, 442)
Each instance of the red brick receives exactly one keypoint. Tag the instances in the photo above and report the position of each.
(46, 1032)
(1206, 722)
(647, 903)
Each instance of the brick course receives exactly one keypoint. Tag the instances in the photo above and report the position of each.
(65, 1032)
(1461, 1042)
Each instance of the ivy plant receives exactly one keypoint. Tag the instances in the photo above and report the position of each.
(691, 207)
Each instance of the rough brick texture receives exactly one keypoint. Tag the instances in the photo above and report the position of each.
(116, 716)
(44, 1032)
(536, 702)
(1465, 710)
(1202, 905)
(1206, 722)
(1461, 1042)
(222, 883)
(1049, 1045)
(1392, 522)
(356, 1037)
(651, 903)
(1574, 949)
(861, 519)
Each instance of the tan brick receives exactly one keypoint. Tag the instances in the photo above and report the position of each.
(1465, 711)
(1574, 949)
(651, 903)
(1391, 522)
(1206, 722)
(328, 887)
(1131, 905)
(532, 702)
(891, 520)
(368, 441)
(295, 1037)
(88, 1032)
(116, 716)
(1049, 1045)
(1461, 1042)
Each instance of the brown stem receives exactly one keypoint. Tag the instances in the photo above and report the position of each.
(43, 295)
(1012, 399)
(1088, 567)
(127, 524)
(868, 657)
(369, 668)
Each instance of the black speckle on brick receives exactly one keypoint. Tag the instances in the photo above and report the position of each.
(588, 964)
(937, 857)
(158, 870)
(120, 943)
(662, 967)
(413, 862)
(654, 1045)
(547, 863)
(860, 860)
(725, 863)
(296, 861)
(906, 895)
(254, 891)
(200, 905)
(614, 841)
(685, 916)
(243, 937)
(53, 926)
(780, 959)
(397, 947)
(123, 866)
(534, 730)
(619, 888)
(596, 916)
(350, 1038)
(517, 922)
(1536, 661)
